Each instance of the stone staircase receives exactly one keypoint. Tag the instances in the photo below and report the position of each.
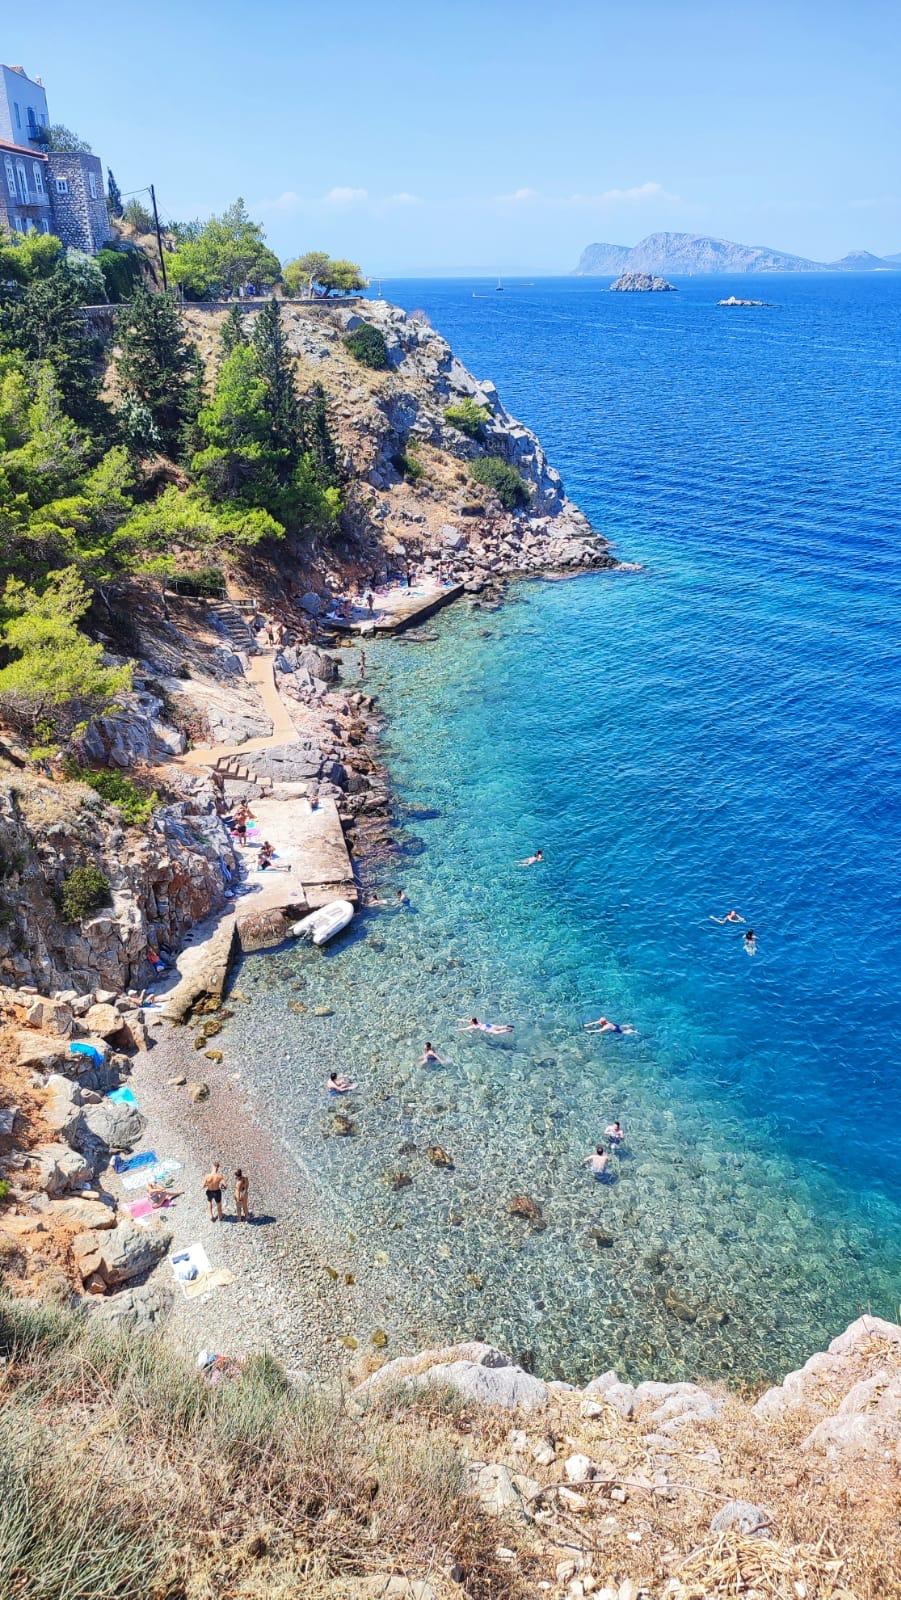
(231, 767)
(227, 619)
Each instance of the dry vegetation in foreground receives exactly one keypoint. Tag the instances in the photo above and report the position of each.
(123, 1473)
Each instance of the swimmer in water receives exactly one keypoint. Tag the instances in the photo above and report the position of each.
(473, 1025)
(597, 1162)
(338, 1084)
(531, 861)
(750, 942)
(604, 1025)
(430, 1057)
(731, 916)
(614, 1132)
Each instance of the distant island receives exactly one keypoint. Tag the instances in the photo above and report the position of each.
(733, 300)
(641, 283)
(689, 253)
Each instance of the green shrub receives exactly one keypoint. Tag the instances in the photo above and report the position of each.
(121, 273)
(367, 345)
(136, 804)
(204, 580)
(494, 473)
(468, 416)
(407, 464)
(84, 891)
(5, 1189)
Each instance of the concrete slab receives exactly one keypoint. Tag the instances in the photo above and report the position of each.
(395, 609)
(312, 867)
(201, 968)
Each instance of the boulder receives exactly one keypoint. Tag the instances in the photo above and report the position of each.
(522, 1205)
(139, 1308)
(62, 1107)
(867, 1423)
(103, 1018)
(60, 1168)
(39, 1052)
(508, 1386)
(404, 1367)
(112, 1124)
(125, 1251)
(499, 1491)
(78, 1212)
(51, 1016)
(621, 1396)
(311, 604)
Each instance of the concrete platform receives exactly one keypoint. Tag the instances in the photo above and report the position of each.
(395, 610)
(312, 867)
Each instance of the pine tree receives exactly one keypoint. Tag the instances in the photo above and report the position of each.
(232, 333)
(274, 367)
(43, 320)
(157, 365)
(113, 195)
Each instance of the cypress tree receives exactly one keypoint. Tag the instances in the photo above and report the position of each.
(232, 332)
(274, 367)
(158, 365)
(317, 438)
(113, 195)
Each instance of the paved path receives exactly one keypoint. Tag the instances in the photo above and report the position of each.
(395, 609)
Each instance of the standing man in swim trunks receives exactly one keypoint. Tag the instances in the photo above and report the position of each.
(242, 1191)
(213, 1184)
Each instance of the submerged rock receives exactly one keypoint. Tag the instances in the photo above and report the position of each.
(522, 1205)
(439, 1156)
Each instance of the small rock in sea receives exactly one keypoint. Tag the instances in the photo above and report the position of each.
(213, 1055)
(177, 1083)
(199, 1091)
(379, 1338)
(323, 1011)
(439, 1156)
(407, 1149)
(342, 1124)
(349, 1278)
(330, 1271)
(398, 1180)
(456, 1219)
(679, 1307)
(602, 1239)
(522, 1205)
(381, 1258)
(296, 1005)
(210, 1029)
(349, 1342)
(238, 994)
(475, 1280)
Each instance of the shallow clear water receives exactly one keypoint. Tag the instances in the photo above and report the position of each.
(719, 730)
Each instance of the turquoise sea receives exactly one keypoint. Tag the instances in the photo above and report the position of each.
(720, 729)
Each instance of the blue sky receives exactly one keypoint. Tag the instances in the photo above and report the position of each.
(491, 136)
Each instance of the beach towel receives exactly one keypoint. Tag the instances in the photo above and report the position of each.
(140, 1208)
(217, 1278)
(123, 1096)
(156, 1174)
(79, 1048)
(143, 1158)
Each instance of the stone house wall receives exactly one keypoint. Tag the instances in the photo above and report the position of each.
(79, 217)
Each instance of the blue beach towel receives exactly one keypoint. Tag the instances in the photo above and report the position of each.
(89, 1050)
(144, 1158)
(123, 1096)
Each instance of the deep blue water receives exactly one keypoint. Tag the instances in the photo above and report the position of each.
(721, 729)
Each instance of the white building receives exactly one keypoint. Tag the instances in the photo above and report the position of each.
(23, 106)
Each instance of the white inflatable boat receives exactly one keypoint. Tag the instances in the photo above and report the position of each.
(322, 925)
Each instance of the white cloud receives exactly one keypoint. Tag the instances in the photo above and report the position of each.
(876, 202)
(615, 197)
(520, 196)
(343, 196)
(286, 201)
(404, 199)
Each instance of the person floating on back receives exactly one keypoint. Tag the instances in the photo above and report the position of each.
(731, 916)
(530, 861)
(473, 1025)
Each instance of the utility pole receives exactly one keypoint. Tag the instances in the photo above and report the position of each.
(159, 237)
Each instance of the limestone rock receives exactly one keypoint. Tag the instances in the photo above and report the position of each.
(42, 1053)
(104, 1019)
(112, 1125)
(139, 1308)
(60, 1168)
(621, 1396)
(509, 1386)
(62, 1107)
(867, 1422)
(126, 1251)
(578, 1468)
(83, 1214)
(198, 1091)
(753, 1522)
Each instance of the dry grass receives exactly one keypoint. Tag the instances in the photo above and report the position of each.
(124, 1473)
